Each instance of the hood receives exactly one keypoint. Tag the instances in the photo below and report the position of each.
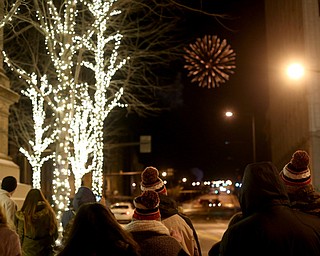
(168, 206)
(84, 195)
(261, 188)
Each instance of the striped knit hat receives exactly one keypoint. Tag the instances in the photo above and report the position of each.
(147, 206)
(150, 181)
(296, 173)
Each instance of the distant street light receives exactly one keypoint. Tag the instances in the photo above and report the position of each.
(229, 114)
(253, 128)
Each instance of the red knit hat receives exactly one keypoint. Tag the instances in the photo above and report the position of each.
(296, 172)
(147, 206)
(150, 181)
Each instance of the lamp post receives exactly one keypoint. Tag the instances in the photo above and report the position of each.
(230, 114)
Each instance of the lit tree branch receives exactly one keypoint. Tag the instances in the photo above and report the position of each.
(83, 49)
(40, 142)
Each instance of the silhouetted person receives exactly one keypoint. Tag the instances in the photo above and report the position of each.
(148, 231)
(269, 226)
(170, 216)
(296, 176)
(83, 195)
(95, 231)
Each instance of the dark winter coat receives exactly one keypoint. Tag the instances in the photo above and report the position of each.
(306, 200)
(83, 195)
(270, 226)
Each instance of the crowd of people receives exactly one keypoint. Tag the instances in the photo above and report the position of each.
(279, 216)
(279, 212)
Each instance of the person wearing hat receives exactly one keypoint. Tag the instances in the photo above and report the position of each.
(269, 226)
(175, 221)
(8, 187)
(147, 230)
(296, 176)
(84, 195)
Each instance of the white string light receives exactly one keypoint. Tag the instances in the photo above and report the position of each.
(78, 111)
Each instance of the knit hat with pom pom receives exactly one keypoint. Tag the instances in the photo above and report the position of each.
(147, 206)
(296, 172)
(150, 181)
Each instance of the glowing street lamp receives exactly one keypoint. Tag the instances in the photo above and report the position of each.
(295, 71)
(229, 114)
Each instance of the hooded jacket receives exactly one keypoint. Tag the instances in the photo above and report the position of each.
(269, 226)
(83, 195)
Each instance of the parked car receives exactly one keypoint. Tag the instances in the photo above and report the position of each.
(123, 211)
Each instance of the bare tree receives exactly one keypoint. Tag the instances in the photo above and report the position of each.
(89, 57)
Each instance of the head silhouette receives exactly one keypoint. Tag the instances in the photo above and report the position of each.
(95, 231)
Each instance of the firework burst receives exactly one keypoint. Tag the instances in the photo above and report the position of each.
(210, 62)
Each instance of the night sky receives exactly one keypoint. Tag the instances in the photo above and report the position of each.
(195, 135)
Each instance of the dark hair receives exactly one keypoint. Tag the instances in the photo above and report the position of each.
(95, 231)
(9, 183)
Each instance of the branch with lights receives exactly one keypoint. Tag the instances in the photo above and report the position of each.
(79, 108)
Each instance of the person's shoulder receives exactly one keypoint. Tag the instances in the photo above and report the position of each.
(175, 218)
(312, 217)
(7, 232)
(4, 195)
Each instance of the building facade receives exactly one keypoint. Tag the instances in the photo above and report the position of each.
(293, 35)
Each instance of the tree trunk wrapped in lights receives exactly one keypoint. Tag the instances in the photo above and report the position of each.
(94, 50)
(83, 48)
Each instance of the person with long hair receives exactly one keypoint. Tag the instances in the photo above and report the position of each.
(9, 242)
(36, 225)
(96, 232)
